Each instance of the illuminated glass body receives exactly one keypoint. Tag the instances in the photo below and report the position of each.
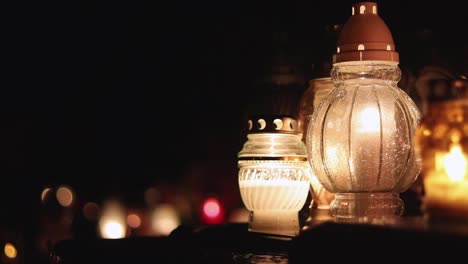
(274, 179)
(360, 141)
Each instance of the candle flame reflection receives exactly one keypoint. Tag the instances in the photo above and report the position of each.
(369, 120)
(455, 163)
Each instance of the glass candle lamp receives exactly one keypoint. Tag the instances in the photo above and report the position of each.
(442, 145)
(274, 175)
(317, 90)
(360, 140)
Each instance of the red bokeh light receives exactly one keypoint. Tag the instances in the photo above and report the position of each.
(212, 211)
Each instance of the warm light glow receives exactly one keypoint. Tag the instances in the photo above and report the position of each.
(274, 194)
(273, 180)
(458, 84)
(133, 220)
(332, 156)
(444, 157)
(455, 163)
(427, 132)
(112, 223)
(113, 230)
(274, 203)
(10, 251)
(45, 193)
(369, 120)
(64, 196)
(164, 219)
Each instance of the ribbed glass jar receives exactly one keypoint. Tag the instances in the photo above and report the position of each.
(360, 141)
(274, 178)
(317, 90)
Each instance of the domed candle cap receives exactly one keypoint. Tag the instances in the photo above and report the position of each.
(365, 37)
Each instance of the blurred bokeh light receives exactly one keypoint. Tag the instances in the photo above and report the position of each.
(10, 251)
(112, 221)
(164, 219)
(64, 196)
(212, 211)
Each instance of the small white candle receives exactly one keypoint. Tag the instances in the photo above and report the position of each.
(274, 204)
(274, 194)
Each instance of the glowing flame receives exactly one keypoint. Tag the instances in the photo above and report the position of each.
(455, 163)
(369, 120)
(113, 229)
(112, 223)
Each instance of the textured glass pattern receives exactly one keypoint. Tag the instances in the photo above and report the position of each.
(274, 181)
(273, 185)
(361, 137)
(318, 89)
(364, 140)
(273, 145)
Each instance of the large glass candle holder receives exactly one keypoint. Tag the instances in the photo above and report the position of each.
(274, 175)
(360, 140)
(442, 145)
(317, 90)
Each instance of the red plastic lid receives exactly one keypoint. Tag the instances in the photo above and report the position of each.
(365, 36)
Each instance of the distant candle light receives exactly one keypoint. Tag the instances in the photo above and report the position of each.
(112, 223)
(64, 196)
(133, 220)
(164, 219)
(455, 164)
(113, 229)
(10, 251)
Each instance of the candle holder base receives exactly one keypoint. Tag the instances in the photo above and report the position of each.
(367, 207)
(281, 223)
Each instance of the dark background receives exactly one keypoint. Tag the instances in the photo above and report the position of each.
(111, 97)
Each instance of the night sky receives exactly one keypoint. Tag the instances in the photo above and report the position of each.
(113, 96)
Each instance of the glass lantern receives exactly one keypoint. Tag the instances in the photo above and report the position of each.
(317, 90)
(360, 140)
(274, 175)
